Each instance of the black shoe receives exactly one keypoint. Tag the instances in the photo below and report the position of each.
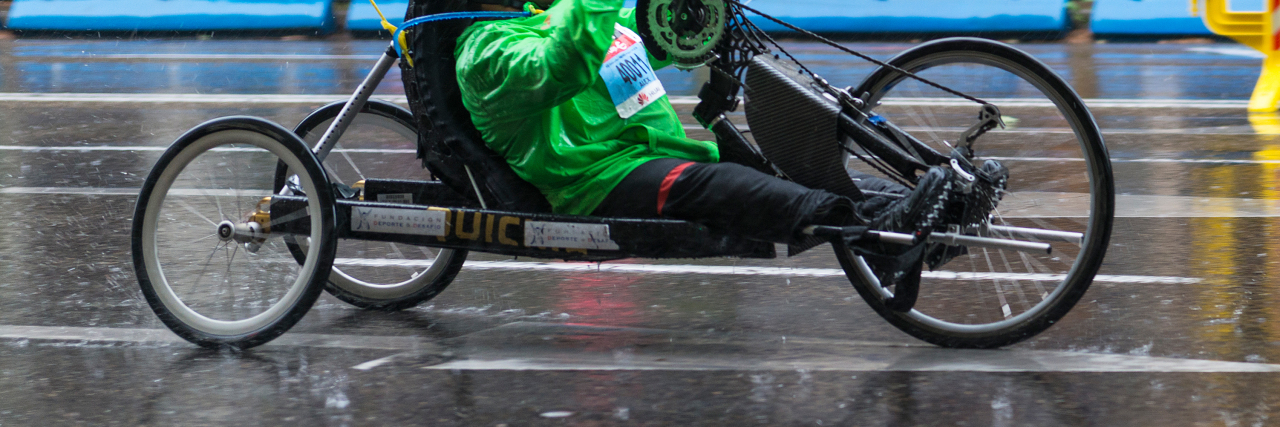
(920, 211)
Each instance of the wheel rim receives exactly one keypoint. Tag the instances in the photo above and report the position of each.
(1011, 288)
(218, 185)
(376, 145)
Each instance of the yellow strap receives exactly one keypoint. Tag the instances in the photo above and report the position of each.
(402, 40)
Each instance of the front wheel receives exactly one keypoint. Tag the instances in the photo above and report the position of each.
(1059, 179)
(203, 248)
(381, 142)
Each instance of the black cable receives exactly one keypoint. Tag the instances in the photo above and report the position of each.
(878, 165)
(856, 53)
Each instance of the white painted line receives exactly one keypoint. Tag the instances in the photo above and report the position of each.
(675, 100)
(92, 148)
(206, 56)
(134, 191)
(869, 360)
(746, 271)
(191, 98)
(80, 148)
(374, 363)
(1091, 102)
(813, 355)
(1143, 160)
(164, 336)
(1230, 51)
(71, 191)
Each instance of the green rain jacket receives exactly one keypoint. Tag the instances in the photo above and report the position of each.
(534, 91)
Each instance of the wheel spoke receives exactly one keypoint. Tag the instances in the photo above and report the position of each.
(239, 300)
(197, 213)
(1042, 191)
(374, 133)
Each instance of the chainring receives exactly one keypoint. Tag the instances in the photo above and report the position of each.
(688, 36)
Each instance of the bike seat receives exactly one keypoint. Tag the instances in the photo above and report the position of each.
(448, 142)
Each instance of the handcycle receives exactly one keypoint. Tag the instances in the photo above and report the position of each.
(242, 223)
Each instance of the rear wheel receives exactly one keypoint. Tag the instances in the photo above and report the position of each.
(209, 267)
(381, 142)
(1059, 179)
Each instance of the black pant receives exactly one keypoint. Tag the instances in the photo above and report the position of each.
(725, 196)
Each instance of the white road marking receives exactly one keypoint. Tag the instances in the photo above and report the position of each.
(375, 363)
(189, 98)
(1193, 104)
(802, 353)
(134, 191)
(207, 56)
(89, 148)
(164, 336)
(941, 360)
(746, 270)
(1143, 160)
(71, 191)
(1230, 51)
(133, 148)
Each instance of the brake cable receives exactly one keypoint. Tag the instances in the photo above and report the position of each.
(831, 43)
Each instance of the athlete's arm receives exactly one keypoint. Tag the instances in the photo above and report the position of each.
(513, 70)
(628, 19)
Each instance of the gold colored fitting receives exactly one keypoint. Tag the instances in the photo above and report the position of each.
(262, 216)
(359, 185)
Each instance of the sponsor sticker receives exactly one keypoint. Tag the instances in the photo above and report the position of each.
(399, 221)
(396, 198)
(567, 235)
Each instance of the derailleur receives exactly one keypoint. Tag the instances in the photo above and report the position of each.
(977, 192)
(988, 118)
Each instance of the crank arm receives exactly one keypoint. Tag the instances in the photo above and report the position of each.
(950, 239)
(1036, 234)
(867, 236)
(956, 239)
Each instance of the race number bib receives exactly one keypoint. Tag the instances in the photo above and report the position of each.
(626, 72)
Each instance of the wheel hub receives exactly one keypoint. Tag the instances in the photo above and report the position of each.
(226, 231)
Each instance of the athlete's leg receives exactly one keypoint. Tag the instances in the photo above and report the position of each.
(726, 196)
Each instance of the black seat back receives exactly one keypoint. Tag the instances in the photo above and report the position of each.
(448, 142)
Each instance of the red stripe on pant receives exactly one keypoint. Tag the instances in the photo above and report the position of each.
(667, 182)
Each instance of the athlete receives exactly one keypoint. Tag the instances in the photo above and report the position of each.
(570, 99)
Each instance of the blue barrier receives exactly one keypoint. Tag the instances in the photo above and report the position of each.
(914, 16)
(1154, 17)
(170, 15)
(362, 17)
(848, 16)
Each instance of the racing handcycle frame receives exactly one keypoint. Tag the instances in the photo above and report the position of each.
(469, 225)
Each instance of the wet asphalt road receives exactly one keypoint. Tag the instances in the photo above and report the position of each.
(1193, 340)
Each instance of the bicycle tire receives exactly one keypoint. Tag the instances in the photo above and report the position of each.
(1038, 164)
(203, 174)
(386, 127)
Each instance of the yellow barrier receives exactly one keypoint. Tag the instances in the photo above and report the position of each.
(1256, 30)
